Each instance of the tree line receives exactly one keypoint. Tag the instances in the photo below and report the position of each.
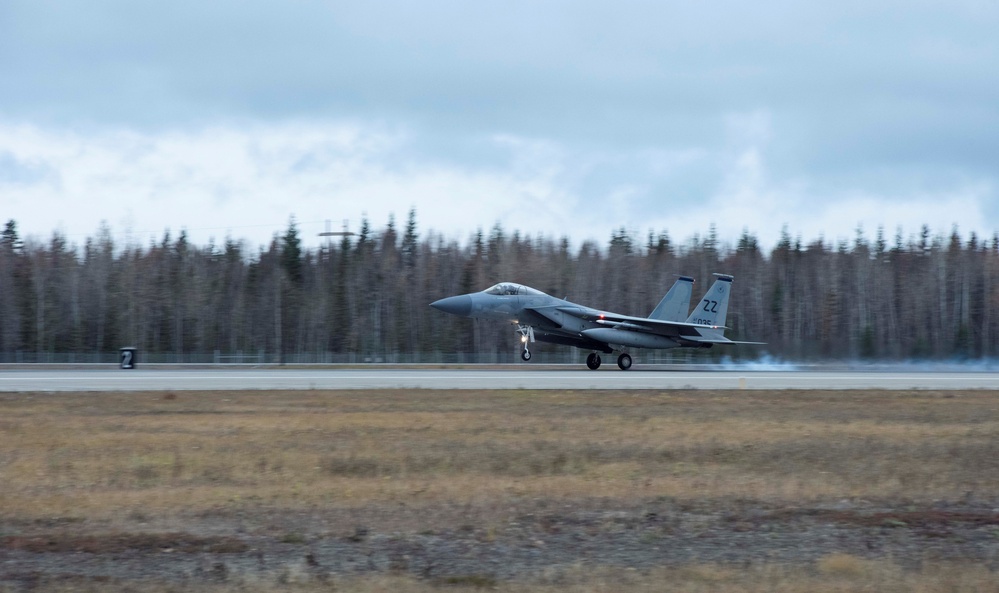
(366, 297)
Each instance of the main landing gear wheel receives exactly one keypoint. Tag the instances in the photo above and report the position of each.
(525, 355)
(593, 361)
(624, 362)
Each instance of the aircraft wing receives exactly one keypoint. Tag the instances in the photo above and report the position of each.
(642, 324)
(689, 332)
(549, 315)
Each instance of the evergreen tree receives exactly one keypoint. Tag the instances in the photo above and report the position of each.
(9, 240)
(291, 254)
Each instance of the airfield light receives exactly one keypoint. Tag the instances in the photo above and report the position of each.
(329, 233)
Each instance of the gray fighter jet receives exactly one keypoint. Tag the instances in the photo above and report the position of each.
(544, 318)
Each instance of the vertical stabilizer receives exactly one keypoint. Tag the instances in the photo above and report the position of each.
(676, 303)
(712, 308)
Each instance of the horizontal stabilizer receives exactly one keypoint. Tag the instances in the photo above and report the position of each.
(716, 340)
(650, 324)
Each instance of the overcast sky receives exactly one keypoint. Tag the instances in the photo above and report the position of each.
(561, 118)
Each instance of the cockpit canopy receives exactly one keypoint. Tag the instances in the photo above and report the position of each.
(510, 288)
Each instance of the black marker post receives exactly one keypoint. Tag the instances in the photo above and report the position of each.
(128, 358)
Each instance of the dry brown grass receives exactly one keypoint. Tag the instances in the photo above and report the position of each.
(75, 464)
(108, 455)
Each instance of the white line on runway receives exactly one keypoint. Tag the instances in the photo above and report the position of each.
(202, 379)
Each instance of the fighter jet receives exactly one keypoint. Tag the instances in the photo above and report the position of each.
(544, 318)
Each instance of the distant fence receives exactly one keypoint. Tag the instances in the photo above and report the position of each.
(560, 356)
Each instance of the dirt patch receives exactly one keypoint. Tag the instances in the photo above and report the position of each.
(114, 543)
(535, 543)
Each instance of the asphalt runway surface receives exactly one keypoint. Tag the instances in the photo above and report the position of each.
(514, 377)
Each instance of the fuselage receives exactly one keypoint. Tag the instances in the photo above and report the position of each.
(510, 302)
(545, 318)
(553, 319)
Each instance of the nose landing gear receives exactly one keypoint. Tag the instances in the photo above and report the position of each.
(526, 335)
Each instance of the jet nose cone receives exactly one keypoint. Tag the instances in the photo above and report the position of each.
(456, 305)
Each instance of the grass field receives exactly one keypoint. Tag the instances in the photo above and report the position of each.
(227, 474)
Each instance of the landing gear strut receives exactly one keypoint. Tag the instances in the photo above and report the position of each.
(526, 335)
(624, 361)
(593, 361)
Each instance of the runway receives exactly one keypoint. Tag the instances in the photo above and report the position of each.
(514, 377)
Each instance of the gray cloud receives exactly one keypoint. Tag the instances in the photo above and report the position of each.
(640, 103)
